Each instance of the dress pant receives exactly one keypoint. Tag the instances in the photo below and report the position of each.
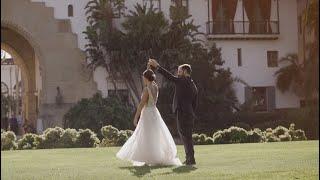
(185, 123)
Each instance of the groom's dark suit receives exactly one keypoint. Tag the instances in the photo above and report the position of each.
(184, 105)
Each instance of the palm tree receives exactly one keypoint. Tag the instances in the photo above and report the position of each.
(290, 77)
(311, 24)
(100, 19)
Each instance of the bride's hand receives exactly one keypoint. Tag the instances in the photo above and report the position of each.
(153, 63)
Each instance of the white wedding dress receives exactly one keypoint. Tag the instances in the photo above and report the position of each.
(151, 143)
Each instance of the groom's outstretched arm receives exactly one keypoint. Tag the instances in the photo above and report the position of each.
(163, 71)
(167, 74)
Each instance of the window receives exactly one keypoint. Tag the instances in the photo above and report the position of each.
(258, 13)
(253, 18)
(239, 57)
(156, 4)
(258, 25)
(272, 57)
(223, 13)
(260, 98)
(70, 10)
(123, 93)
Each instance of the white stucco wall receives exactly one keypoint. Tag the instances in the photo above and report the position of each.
(254, 69)
(100, 77)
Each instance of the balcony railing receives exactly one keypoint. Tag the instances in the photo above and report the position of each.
(242, 27)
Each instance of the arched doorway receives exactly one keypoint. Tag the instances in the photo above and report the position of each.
(24, 57)
(47, 52)
(13, 106)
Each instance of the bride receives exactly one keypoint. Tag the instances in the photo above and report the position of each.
(151, 143)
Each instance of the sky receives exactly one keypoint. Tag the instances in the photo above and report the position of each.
(5, 55)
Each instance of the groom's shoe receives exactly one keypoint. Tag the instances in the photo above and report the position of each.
(184, 162)
(191, 162)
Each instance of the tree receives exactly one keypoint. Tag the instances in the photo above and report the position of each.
(96, 112)
(290, 77)
(146, 33)
(302, 77)
(101, 33)
(310, 19)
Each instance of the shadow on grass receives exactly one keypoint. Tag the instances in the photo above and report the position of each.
(141, 171)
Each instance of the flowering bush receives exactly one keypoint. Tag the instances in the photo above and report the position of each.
(29, 141)
(8, 140)
(114, 137)
(87, 138)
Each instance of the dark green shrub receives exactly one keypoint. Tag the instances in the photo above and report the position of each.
(51, 138)
(230, 135)
(299, 135)
(237, 135)
(221, 137)
(202, 138)
(280, 130)
(209, 140)
(95, 112)
(87, 138)
(307, 119)
(242, 125)
(39, 142)
(196, 139)
(257, 120)
(255, 136)
(8, 141)
(69, 138)
(109, 132)
(128, 133)
(270, 137)
(28, 141)
(268, 130)
(106, 143)
(114, 137)
(296, 135)
(121, 138)
(285, 137)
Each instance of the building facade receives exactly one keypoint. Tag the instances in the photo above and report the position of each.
(253, 35)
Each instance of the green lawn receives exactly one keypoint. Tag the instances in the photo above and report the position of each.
(285, 160)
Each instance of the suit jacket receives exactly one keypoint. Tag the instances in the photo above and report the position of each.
(186, 93)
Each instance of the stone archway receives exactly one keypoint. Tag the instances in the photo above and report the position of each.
(24, 56)
(31, 34)
(29, 103)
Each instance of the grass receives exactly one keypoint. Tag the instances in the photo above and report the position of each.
(283, 160)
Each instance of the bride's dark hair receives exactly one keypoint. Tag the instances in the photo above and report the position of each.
(149, 74)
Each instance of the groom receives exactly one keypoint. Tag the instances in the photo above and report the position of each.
(184, 104)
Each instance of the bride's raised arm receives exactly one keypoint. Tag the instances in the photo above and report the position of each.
(143, 102)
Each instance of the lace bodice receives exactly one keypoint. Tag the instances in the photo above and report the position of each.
(153, 94)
